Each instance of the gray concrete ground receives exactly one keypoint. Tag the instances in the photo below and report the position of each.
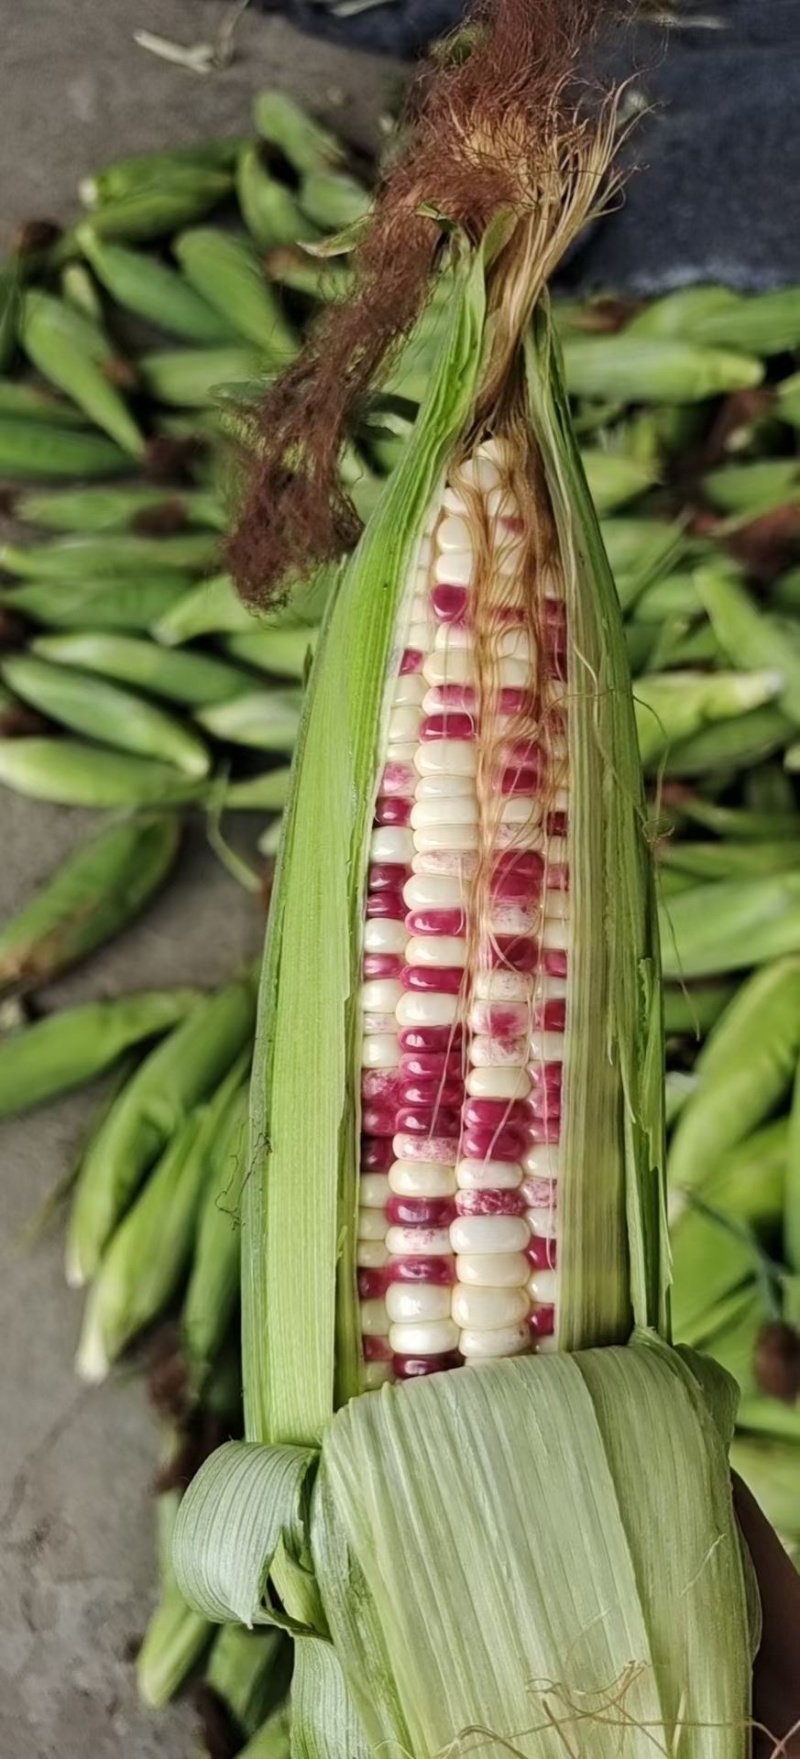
(76, 1539)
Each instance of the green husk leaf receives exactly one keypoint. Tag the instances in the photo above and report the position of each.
(425, 1490)
(244, 1509)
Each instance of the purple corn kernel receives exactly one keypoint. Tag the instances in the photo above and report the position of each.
(376, 1154)
(432, 1065)
(392, 810)
(449, 603)
(490, 1203)
(372, 1284)
(541, 1253)
(382, 965)
(387, 876)
(420, 1212)
(542, 1322)
(481, 1143)
(431, 1038)
(448, 725)
(441, 1271)
(423, 1120)
(376, 1349)
(389, 905)
(439, 922)
(412, 1367)
(414, 1092)
(433, 979)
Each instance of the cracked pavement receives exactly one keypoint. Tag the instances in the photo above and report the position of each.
(76, 1465)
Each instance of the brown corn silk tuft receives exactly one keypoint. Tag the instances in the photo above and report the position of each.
(509, 122)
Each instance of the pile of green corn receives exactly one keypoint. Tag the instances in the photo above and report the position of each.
(134, 682)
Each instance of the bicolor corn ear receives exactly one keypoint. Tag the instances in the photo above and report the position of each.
(458, 1096)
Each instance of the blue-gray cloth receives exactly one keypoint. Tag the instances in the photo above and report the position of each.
(717, 195)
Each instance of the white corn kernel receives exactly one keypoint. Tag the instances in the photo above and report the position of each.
(542, 1287)
(553, 583)
(420, 636)
(497, 1053)
(446, 757)
(455, 568)
(493, 1270)
(453, 502)
(500, 450)
(457, 637)
(380, 1050)
(409, 1303)
(401, 751)
(371, 1224)
(446, 788)
(449, 950)
(543, 1223)
(515, 918)
(481, 1018)
(392, 843)
(557, 907)
(459, 810)
(373, 1190)
(511, 1340)
(555, 934)
(520, 809)
(377, 1374)
(488, 1309)
(503, 1082)
(432, 892)
(374, 1319)
(503, 986)
(556, 851)
(546, 1346)
(489, 1233)
(427, 1008)
(405, 723)
(501, 504)
(376, 1025)
(527, 836)
(454, 534)
(546, 1047)
(418, 1242)
(436, 1338)
(372, 1254)
(431, 838)
(541, 1161)
(479, 472)
(489, 1175)
(549, 989)
(385, 934)
(381, 993)
(450, 665)
(408, 690)
(420, 1178)
(463, 862)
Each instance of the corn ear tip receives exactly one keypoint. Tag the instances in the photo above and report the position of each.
(91, 1360)
(75, 1273)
